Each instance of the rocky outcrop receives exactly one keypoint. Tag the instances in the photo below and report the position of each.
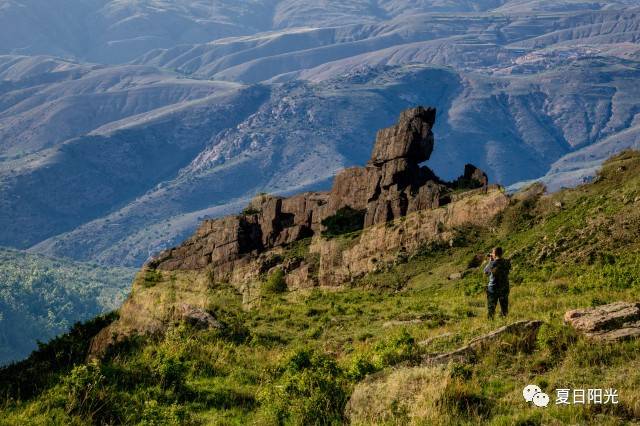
(384, 244)
(198, 318)
(391, 185)
(613, 322)
(398, 205)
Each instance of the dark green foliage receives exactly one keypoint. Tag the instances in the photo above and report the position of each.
(396, 349)
(42, 297)
(346, 220)
(26, 378)
(169, 369)
(310, 390)
(275, 282)
(464, 400)
(556, 339)
(248, 211)
(461, 372)
(360, 367)
(86, 393)
(151, 278)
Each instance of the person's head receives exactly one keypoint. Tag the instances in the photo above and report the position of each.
(496, 253)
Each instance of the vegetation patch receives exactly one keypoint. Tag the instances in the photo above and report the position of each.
(346, 220)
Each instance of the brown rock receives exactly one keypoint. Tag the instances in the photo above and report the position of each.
(410, 138)
(391, 186)
(615, 321)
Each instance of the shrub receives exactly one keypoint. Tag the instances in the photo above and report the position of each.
(24, 379)
(275, 282)
(169, 369)
(465, 400)
(345, 220)
(395, 350)
(461, 372)
(360, 367)
(311, 390)
(151, 278)
(88, 395)
(154, 414)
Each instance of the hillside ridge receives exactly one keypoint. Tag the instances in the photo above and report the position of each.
(388, 209)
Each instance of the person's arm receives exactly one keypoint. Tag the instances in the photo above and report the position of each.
(488, 268)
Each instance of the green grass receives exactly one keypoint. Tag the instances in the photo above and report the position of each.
(297, 357)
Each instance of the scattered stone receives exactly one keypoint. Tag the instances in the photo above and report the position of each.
(613, 322)
(527, 331)
(198, 317)
(455, 276)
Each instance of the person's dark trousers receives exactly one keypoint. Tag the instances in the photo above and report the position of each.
(495, 297)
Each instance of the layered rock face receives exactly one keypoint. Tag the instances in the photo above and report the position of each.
(390, 186)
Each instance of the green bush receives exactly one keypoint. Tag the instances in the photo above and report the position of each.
(462, 399)
(154, 414)
(310, 390)
(87, 394)
(24, 379)
(170, 370)
(345, 220)
(151, 278)
(275, 282)
(360, 367)
(396, 349)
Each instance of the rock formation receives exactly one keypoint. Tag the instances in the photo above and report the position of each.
(391, 185)
(525, 331)
(396, 206)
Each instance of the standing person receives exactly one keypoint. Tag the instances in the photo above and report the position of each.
(498, 289)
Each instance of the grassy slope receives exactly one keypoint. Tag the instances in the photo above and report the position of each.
(296, 357)
(42, 297)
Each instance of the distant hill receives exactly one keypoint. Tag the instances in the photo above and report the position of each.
(41, 297)
(123, 124)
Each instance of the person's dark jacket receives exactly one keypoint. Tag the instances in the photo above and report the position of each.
(498, 271)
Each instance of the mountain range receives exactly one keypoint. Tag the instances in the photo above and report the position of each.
(122, 123)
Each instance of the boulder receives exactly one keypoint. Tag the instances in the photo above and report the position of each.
(472, 177)
(613, 322)
(198, 317)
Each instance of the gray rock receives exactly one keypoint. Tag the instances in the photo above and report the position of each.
(199, 318)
